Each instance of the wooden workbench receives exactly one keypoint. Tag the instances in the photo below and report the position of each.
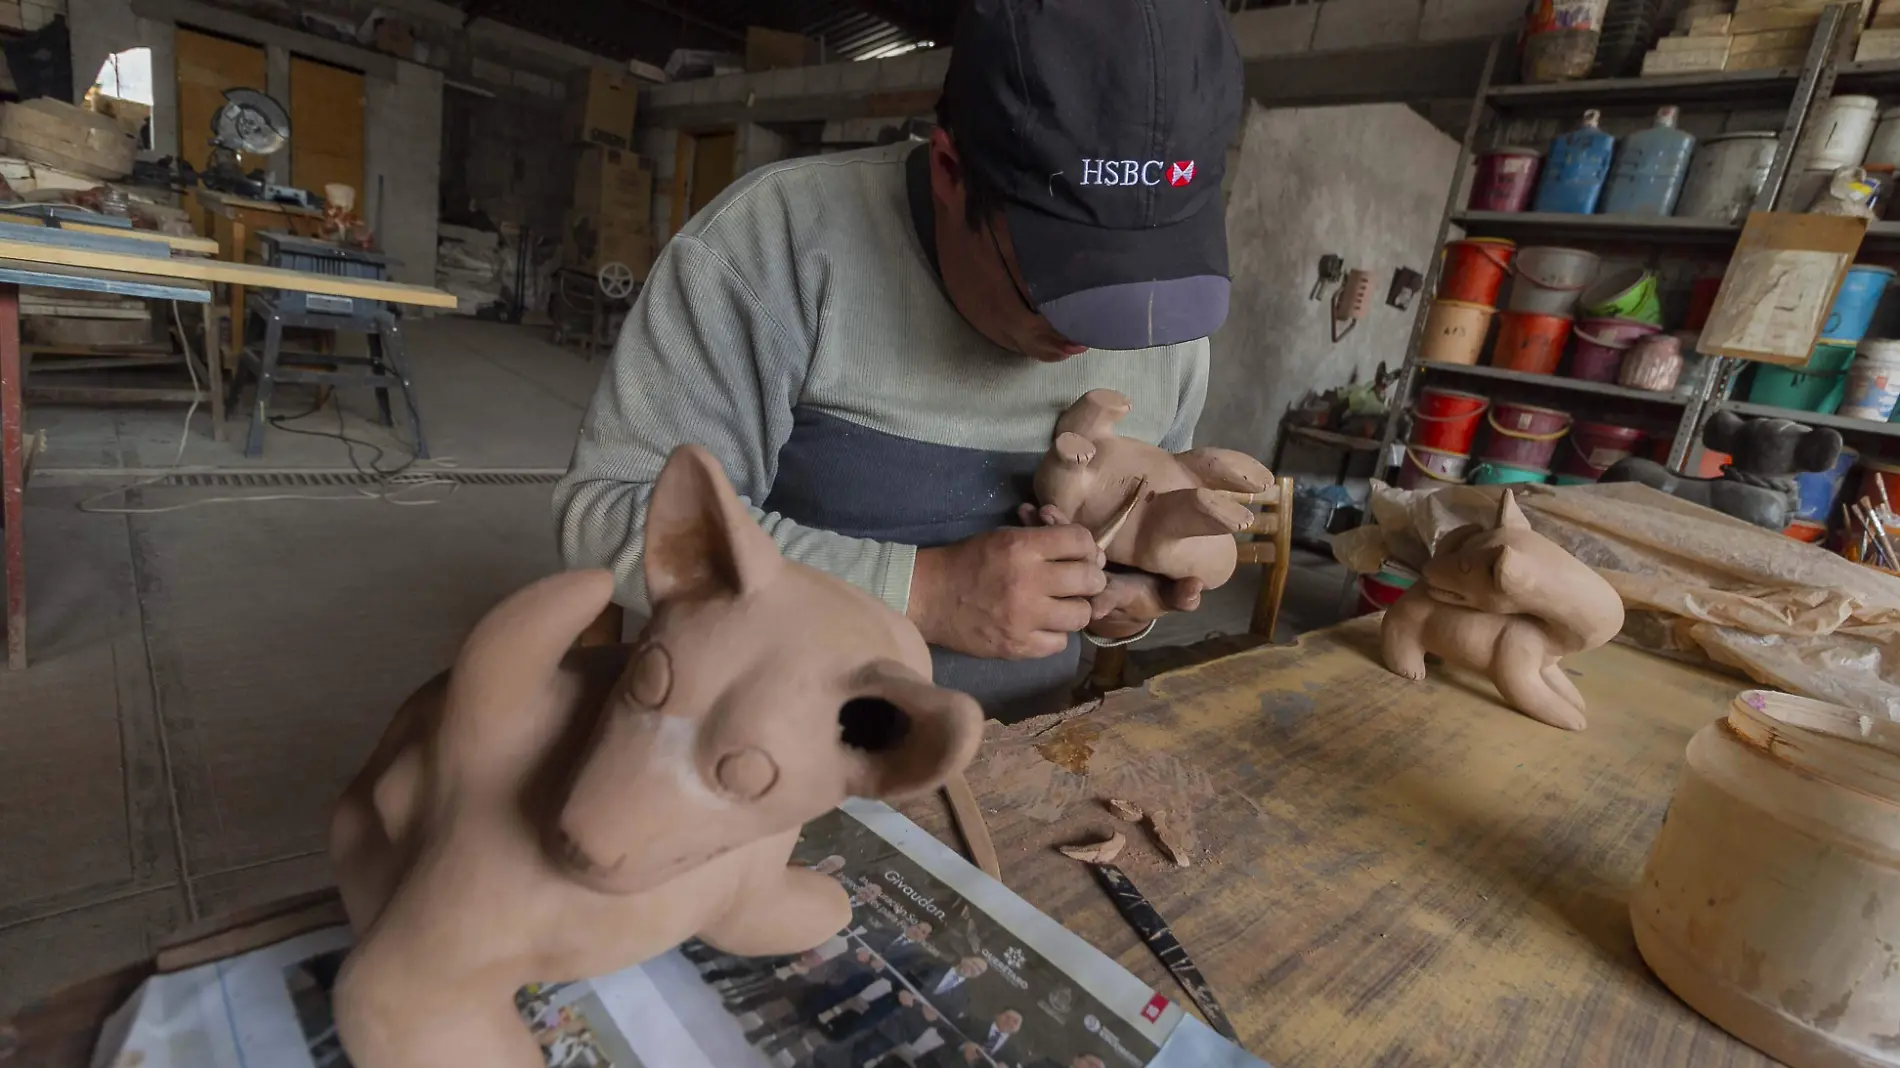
(1389, 873)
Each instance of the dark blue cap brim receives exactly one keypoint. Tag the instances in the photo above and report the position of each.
(1140, 315)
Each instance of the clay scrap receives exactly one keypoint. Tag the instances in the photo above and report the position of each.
(1103, 852)
(1510, 603)
(1125, 810)
(1174, 837)
(639, 794)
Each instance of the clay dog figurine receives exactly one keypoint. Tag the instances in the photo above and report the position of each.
(1759, 486)
(1191, 503)
(1511, 603)
(541, 814)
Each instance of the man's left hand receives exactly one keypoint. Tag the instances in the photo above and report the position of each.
(1135, 599)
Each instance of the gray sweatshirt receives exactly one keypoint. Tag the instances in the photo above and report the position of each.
(797, 329)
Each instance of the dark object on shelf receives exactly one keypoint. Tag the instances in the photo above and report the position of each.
(1759, 486)
(1629, 28)
(42, 62)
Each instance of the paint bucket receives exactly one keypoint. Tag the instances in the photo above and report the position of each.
(1655, 364)
(1816, 386)
(1377, 592)
(1819, 491)
(1854, 306)
(1806, 530)
(1506, 179)
(1532, 343)
(1426, 469)
(1840, 135)
(1593, 447)
(1475, 270)
(1549, 279)
(1702, 294)
(1726, 176)
(1601, 344)
(1628, 294)
(1447, 420)
(1559, 55)
(1873, 381)
(1885, 147)
(1455, 332)
(1571, 480)
(1492, 473)
(1523, 434)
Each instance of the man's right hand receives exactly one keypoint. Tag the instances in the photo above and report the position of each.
(1010, 594)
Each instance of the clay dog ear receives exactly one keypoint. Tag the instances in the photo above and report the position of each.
(1510, 517)
(511, 655)
(1818, 450)
(905, 735)
(700, 541)
(1722, 431)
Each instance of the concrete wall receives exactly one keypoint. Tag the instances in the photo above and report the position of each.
(1366, 182)
(402, 164)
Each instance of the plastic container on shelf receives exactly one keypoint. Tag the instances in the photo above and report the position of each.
(1885, 146)
(1576, 169)
(1547, 280)
(1591, 448)
(1840, 135)
(1524, 435)
(1559, 56)
(1655, 364)
(1702, 294)
(1820, 491)
(1629, 28)
(1494, 473)
(1815, 386)
(1854, 306)
(1873, 381)
(1475, 269)
(1506, 179)
(1455, 332)
(1625, 294)
(1530, 342)
(1806, 530)
(1650, 168)
(1601, 344)
(1726, 175)
(1447, 419)
(1427, 468)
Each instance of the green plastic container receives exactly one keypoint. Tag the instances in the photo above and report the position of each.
(1572, 480)
(1492, 473)
(1629, 294)
(1816, 386)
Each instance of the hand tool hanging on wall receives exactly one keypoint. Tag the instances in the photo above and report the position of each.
(1352, 302)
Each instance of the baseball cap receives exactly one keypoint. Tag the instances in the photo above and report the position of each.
(1105, 124)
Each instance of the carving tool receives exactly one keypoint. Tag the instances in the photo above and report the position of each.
(1154, 930)
(1115, 525)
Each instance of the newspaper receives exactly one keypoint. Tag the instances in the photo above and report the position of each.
(941, 967)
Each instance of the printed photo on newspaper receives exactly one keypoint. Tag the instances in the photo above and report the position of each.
(941, 967)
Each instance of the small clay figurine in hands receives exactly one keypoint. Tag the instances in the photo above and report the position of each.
(1191, 504)
(541, 814)
(1511, 603)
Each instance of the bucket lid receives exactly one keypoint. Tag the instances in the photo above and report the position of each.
(1517, 467)
(1485, 308)
(1512, 150)
(1441, 452)
(1879, 348)
(1501, 405)
(1855, 101)
(1504, 241)
(1443, 392)
(1872, 268)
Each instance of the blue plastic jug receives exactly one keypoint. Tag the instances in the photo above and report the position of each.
(1650, 169)
(1577, 168)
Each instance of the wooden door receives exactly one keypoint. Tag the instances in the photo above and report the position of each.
(207, 66)
(714, 157)
(326, 127)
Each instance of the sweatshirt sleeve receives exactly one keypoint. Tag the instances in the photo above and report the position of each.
(1191, 399)
(700, 360)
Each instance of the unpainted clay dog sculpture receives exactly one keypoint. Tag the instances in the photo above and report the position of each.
(541, 814)
(1190, 508)
(1510, 603)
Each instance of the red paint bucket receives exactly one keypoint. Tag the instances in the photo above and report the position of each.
(1530, 342)
(1524, 435)
(1506, 179)
(1475, 270)
(1710, 466)
(1702, 294)
(1426, 469)
(1378, 592)
(1447, 420)
(1601, 344)
(1593, 447)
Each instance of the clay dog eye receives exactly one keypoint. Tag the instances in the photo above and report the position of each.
(872, 724)
(746, 774)
(652, 676)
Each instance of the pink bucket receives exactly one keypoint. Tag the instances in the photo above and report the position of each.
(1505, 180)
(1601, 344)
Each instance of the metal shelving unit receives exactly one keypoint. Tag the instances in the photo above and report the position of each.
(1797, 88)
(1838, 422)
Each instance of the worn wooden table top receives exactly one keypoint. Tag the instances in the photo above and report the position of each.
(1387, 873)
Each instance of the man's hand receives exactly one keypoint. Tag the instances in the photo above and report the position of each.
(1012, 594)
(1135, 599)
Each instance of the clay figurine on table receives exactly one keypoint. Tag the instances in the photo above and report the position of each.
(1510, 603)
(540, 814)
(1758, 486)
(1190, 504)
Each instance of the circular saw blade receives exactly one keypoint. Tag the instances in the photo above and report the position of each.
(251, 122)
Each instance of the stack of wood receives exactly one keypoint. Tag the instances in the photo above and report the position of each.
(1737, 36)
(1881, 39)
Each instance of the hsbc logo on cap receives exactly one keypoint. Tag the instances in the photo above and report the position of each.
(1136, 172)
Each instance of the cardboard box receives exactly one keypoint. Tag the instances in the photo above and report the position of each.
(1766, 60)
(1710, 26)
(1694, 44)
(394, 37)
(1780, 19)
(129, 114)
(1812, 6)
(589, 241)
(1660, 63)
(1878, 45)
(775, 49)
(1772, 41)
(611, 182)
(601, 107)
(58, 134)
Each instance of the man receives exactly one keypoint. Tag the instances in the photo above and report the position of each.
(943, 987)
(876, 344)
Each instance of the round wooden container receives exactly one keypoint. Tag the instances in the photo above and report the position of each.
(1771, 899)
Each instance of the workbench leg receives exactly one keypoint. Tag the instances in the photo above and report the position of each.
(237, 297)
(214, 364)
(13, 474)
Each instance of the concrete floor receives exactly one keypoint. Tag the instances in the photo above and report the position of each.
(205, 680)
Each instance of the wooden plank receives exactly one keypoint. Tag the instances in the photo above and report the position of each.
(244, 274)
(202, 245)
(1390, 872)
